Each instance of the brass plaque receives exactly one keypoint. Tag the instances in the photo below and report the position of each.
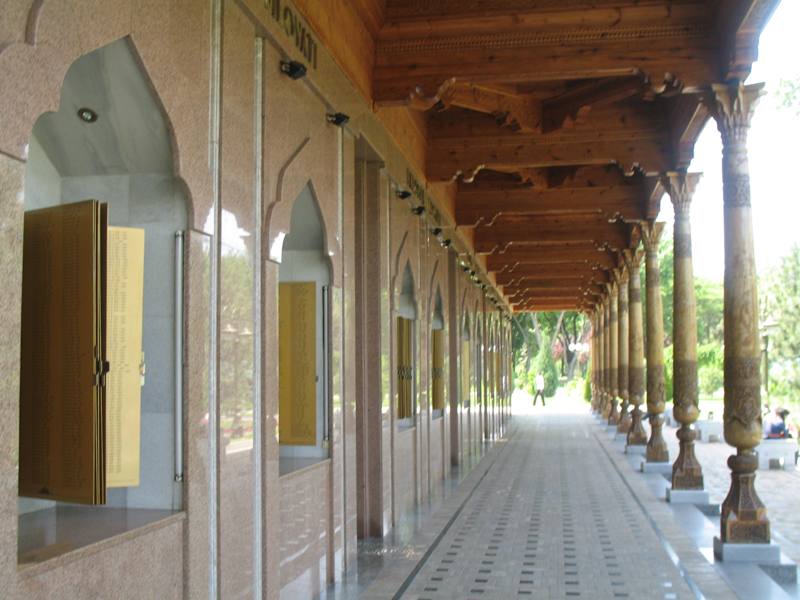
(297, 372)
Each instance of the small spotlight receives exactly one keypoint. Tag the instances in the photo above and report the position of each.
(87, 115)
(465, 268)
(403, 194)
(446, 243)
(436, 231)
(418, 210)
(293, 69)
(338, 119)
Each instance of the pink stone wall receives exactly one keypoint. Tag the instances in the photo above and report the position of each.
(307, 520)
(305, 530)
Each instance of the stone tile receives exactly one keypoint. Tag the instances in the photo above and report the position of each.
(545, 515)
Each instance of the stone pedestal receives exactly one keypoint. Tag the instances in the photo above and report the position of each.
(761, 554)
(687, 496)
(662, 467)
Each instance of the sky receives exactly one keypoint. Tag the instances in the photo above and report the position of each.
(774, 152)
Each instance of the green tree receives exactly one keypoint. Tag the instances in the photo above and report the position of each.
(781, 304)
(788, 94)
(709, 297)
(545, 365)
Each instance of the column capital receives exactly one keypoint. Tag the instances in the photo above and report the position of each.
(732, 105)
(651, 234)
(680, 186)
(620, 275)
(632, 258)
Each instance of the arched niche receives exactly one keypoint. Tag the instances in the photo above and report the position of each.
(406, 299)
(438, 345)
(406, 308)
(306, 167)
(121, 153)
(304, 322)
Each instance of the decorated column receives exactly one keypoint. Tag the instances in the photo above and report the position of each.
(622, 349)
(606, 317)
(686, 472)
(613, 343)
(637, 436)
(744, 516)
(657, 450)
(595, 361)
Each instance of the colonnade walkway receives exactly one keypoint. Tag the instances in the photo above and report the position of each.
(556, 510)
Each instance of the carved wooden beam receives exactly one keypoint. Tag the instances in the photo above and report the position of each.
(564, 110)
(739, 23)
(408, 68)
(466, 143)
(501, 235)
(516, 111)
(553, 278)
(611, 202)
(564, 256)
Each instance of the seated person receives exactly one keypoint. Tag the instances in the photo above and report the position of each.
(775, 424)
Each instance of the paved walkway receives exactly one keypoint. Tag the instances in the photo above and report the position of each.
(547, 514)
(551, 519)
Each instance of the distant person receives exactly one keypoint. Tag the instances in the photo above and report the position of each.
(775, 424)
(539, 389)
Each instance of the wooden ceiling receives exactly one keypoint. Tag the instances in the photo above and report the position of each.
(552, 120)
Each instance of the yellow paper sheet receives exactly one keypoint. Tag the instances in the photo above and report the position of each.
(123, 388)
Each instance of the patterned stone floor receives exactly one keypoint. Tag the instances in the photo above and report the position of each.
(551, 519)
(547, 514)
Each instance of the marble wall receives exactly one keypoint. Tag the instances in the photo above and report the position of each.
(245, 140)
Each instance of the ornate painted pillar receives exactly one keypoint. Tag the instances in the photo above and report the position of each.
(686, 472)
(657, 450)
(613, 343)
(744, 516)
(604, 362)
(637, 436)
(595, 362)
(607, 353)
(622, 349)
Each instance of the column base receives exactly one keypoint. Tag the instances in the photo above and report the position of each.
(744, 517)
(639, 449)
(625, 420)
(613, 415)
(636, 434)
(763, 554)
(662, 468)
(657, 450)
(686, 472)
(687, 496)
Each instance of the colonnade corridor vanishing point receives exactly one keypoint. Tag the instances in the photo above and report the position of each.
(263, 264)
